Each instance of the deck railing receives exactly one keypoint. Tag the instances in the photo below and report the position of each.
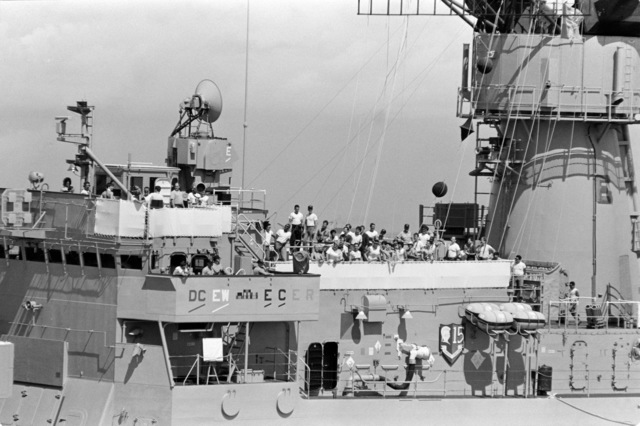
(440, 383)
(594, 315)
(193, 370)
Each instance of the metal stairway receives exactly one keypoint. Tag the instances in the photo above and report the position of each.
(248, 238)
(235, 339)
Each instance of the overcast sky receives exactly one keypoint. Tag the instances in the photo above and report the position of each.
(354, 114)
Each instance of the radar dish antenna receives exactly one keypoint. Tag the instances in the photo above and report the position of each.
(208, 101)
(205, 106)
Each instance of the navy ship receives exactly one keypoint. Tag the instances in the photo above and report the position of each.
(121, 309)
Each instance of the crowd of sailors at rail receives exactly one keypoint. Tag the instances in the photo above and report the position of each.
(365, 244)
(155, 199)
(302, 233)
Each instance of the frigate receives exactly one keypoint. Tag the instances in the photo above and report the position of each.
(120, 309)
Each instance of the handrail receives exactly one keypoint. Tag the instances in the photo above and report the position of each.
(415, 388)
(247, 225)
(237, 195)
(604, 310)
(512, 106)
(195, 367)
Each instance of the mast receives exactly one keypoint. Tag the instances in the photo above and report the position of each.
(556, 87)
(246, 94)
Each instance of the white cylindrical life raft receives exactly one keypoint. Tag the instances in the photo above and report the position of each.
(528, 320)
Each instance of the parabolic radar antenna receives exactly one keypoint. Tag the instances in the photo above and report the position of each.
(210, 101)
(205, 105)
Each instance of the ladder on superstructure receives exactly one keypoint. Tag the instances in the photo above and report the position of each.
(236, 337)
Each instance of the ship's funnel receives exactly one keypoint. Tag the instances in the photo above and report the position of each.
(210, 100)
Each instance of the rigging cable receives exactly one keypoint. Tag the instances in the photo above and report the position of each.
(564, 191)
(425, 73)
(348, 139)
(479, 86)
(549, 139)
(417, 82)
(502, 135)
(535, 181)
(366, 150)
(420, 78)
(376, 166)
(315, 117)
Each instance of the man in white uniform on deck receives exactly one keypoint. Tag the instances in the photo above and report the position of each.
(372, 233)
(518, 270)
(295, 220)
(405, 237)
(574, 299)
(414, 352)
(86, 189)
(267, 241)
(424, 234)
(484, 251)
(155, 200)
(177, 199)
(282, 238)
(334, 253)
(453, 250)
(310, 226)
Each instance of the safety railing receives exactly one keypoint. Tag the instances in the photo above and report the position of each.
(580, 380)
(526, 101)
(318, 250)
(254, 199)
(584, 312)
(193, 370)
(245, 230)
(415, 387)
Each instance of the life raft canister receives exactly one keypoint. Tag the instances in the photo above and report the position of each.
(473, 310)
(515, 307)
(528, 320)
(495, 320)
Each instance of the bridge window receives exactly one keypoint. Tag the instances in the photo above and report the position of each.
(107, 260)
(73, 258)
(131, 262)
(15, 252)
(90, 259)
(55, 255)
(136, 181)
(34, 254)
(176, 260)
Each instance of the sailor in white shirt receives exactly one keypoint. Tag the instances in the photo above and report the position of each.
(191, 197)
(484, 251)
(155, 200)
(574, 298)
(282, 238)
(518, 270)
(86, 189)
(372, 233)
(424, 234)
(182, 269)
(310, 225)
(453, 251)
(333, 253)
(267, 240)
(295, 220)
